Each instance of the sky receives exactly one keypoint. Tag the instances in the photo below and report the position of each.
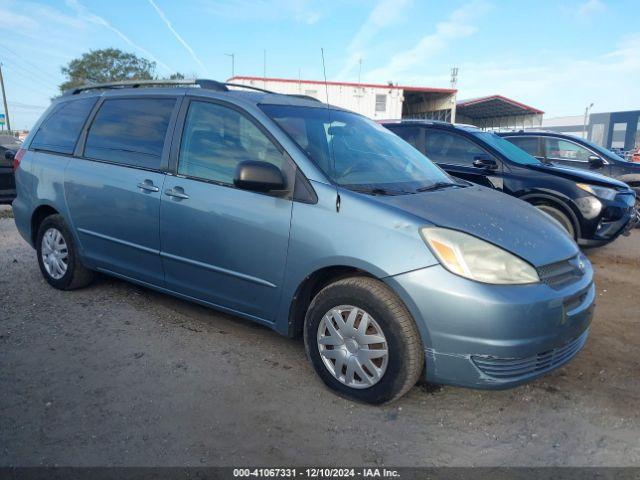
(556, 55)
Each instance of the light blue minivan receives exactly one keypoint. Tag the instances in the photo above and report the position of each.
(308, 219)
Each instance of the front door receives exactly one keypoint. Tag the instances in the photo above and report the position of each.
(571, 154)
(456, 154)
(220, 244)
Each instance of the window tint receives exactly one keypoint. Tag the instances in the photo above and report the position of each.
(216, 138)
(565, 150)
(130, 131)
(59, 132)
(445, 147)
(412, 135)
(528, 144)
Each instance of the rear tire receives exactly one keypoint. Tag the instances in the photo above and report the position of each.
(58, 257)
(560, 217)
(361, 344)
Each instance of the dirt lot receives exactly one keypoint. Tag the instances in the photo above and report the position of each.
(119, 375)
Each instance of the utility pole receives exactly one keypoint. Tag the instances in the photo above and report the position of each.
(359, 69)
(586, 115)
(233, 63)
(454, 83)
(4, 99)
(264, 68)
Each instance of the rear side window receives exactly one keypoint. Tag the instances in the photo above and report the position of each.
(445, 147)
(412, 135)
(130, 131)
(528, 144)
(61, 129)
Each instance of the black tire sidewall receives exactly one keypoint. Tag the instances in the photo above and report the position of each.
(394, 377)
(559, 216)
(56, 222)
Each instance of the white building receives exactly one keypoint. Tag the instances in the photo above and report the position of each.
(375, 101)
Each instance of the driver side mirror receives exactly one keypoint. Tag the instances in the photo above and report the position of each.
(595, 162)
(259, 177)
(485, 161)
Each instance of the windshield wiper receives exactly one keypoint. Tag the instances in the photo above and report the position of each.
(378, 191)
(438, 186)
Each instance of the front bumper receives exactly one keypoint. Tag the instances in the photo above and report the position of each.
(495, 336)
(619, 216)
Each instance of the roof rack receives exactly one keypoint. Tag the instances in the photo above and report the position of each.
(200, 82)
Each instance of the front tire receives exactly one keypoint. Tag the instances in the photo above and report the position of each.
(58, 256)
(362, 341)
(560, 217)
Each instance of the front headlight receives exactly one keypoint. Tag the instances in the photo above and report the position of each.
(601, 192)
(476, 259)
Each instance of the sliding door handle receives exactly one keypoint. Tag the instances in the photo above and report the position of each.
(176, 192)
(148, 186)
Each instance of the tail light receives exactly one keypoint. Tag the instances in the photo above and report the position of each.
(17, 157)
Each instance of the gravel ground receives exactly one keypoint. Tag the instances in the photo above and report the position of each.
(115, 374)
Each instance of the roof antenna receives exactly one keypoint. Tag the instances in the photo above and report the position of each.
(333, 157)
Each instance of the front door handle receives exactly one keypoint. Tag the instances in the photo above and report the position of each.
(148, 186)
(176, 192)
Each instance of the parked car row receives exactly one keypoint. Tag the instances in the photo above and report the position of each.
(594, 209)
(8, 146)
(316, 221)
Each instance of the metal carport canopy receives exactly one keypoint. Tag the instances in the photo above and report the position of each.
(494, 106)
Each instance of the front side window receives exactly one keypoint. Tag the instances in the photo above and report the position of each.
(356, 152)
(450, 148)
(130, 131)
(559, 149)
(59, 132)
(528, 144)
(216, 139)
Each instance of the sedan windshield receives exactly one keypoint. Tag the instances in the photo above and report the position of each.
(508, 149)
(356, 153)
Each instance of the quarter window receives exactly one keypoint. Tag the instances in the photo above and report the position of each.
(216, 139)
(59, 132)
(444, 147)
(130, 131)
(566, 150)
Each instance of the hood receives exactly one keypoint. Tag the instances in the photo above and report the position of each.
(495, 217)
(582, 176)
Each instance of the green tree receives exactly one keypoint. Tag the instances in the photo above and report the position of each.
(176, 76)
(106, 65)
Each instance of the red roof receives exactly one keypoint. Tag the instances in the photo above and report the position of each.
(476, 101)
(347, 84)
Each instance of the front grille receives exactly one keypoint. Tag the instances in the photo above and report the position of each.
(510, 368)
(560, 274)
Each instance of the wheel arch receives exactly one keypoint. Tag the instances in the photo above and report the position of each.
(311, 285)
(553, 201)
(37, 217)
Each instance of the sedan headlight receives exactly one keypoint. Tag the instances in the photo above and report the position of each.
(476, 259)
(601, 192)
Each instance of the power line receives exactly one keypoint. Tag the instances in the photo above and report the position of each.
(37, 76)
(36, 68)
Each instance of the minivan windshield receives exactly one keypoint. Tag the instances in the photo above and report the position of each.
(357, 153)
(506, 148)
